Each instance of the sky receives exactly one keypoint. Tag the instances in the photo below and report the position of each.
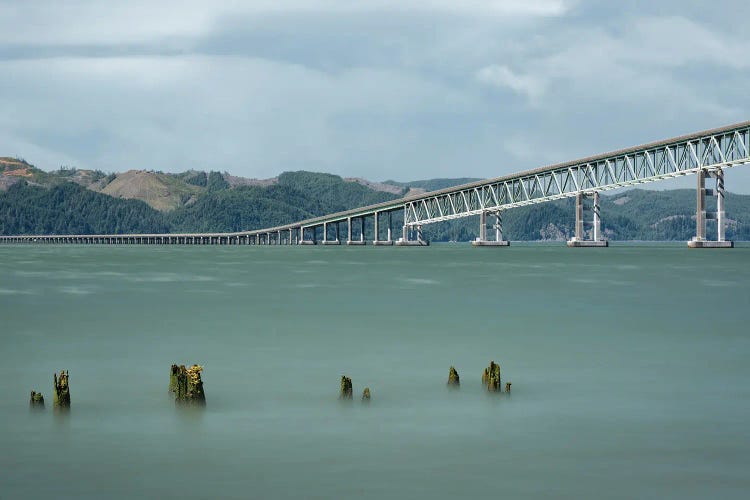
(380, 89)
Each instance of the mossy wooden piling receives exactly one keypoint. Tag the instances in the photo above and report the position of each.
(62, 391)
(36, 402)
(346, 388)
(491, 377)
(187, 385)
(453, 378)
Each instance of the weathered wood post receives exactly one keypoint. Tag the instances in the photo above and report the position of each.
(507, 387)
(173, 372)
(453, 379)
(366, 395)
(491, 377)
(346, 388)
(62, 391)
(188, 386)
(37, 401)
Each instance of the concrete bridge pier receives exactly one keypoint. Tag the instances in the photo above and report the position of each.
(404, 241)
(326, 241)
(482, 240)
(302, 240)
(579, 240)
(702, 216)
(376, 241)
(361, 240)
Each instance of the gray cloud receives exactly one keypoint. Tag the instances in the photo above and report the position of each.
(379, 89)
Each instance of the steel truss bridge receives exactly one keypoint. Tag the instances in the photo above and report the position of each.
(704, 154)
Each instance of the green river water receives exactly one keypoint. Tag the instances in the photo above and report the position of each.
(629, 367)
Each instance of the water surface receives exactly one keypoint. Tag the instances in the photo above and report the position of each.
(629, 368)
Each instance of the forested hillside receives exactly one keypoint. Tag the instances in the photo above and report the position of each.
(72, 209)
(76, 202)
(61, 208)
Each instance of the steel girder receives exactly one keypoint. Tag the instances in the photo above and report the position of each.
(722, 148)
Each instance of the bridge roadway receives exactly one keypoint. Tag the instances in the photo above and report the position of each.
(705, 154)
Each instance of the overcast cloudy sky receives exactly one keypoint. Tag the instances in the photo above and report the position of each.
(383, 89)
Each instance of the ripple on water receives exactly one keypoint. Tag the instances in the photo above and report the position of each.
(9, 291)
(719, 283)
(306, 285)
(421, 281)
(169, 278)
(76, 290)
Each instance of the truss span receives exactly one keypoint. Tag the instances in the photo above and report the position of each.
(710, 150)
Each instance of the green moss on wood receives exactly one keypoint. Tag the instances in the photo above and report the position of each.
(346, 388)
(37, 400)
(187, 385)
(453, 378)
(62, 390)
(491, 377)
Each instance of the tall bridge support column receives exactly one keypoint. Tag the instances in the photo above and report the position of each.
(302, 240)
(326, 241)
(404, 241)
(349, 239)
(579, 240)
(376, 240)
(702, 216)
(482, 240)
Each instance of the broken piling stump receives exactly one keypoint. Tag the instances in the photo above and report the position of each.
(453, 379)
(346, 388)
(187, 385)
(173, 372)
(37, 401)
(491, 377)
(507, 386)
(366, 395)
(62, 391)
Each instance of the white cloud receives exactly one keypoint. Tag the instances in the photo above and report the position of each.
(502, 76)
(676, 41)
(638, 62)
(138, 21)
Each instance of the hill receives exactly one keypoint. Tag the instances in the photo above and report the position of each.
(433, 184)
(69, 208)
(87, 201)
(161, 191)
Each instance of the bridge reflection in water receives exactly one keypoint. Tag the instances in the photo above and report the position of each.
(704, 154)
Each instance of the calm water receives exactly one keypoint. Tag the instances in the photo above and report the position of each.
(629, 365)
